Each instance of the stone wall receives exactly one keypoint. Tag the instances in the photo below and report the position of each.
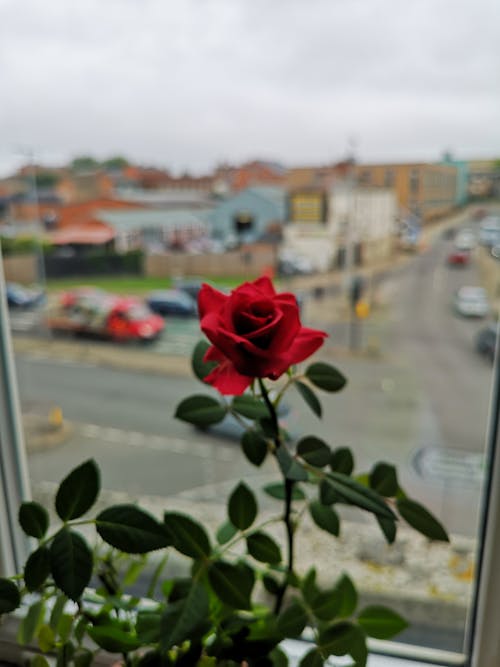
(252, 260)
(21, 269)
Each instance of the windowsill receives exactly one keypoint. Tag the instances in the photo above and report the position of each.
(385, 654)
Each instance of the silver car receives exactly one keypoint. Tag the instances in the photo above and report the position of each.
(471, 302)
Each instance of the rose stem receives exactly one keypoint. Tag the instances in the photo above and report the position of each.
(287, 517)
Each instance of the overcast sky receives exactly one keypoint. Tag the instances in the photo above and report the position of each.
(192, 83)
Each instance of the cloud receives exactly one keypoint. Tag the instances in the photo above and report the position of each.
(187, 84)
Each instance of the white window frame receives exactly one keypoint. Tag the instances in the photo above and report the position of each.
(483, 636)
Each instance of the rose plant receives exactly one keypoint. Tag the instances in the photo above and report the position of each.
(241, 593)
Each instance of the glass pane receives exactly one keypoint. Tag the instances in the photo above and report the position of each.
(397, 261)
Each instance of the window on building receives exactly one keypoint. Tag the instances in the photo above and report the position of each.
(414, 181)
(389, 178)
(244, 222)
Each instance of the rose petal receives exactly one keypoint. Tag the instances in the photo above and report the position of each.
(306, 343)
(210, 300)
(226, 379)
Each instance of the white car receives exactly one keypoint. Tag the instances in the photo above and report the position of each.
(471, 302)
(465, 240)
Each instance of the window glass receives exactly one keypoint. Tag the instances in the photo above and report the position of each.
(412, 324)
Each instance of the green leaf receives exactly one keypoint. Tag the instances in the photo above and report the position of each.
(263, 548)
(314, 451)
(250, 406)
(37, 568)
(178, 624)
(278, 658)
(83, 658)
(10, 598)
(254, 447)
(421, 519)
(70, 563)
(327, 494)
(226, 532)
(384, 480)
(290, 468)
(78, 491)
(188, 536)
(131, 529)
(148, 626)
(325, 517)
(312, 658)
(31, 622)
(388, 528)
(33, 519)
(270, 584)
(242, 507)
(344, 638)
(277, 490)
(347, 594)
(46, 638)
(39, 661)
(326, 605)
(380, 622)
(308, 586)
(353, 493)
(200, 410)
(113, 638)
(57, 610)
(232, 584)
(293, 620)
(342, 461)
(309, 397)
(325, 377)
(201, 368)
(65, 627)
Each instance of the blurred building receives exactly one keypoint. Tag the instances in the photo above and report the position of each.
(254, 214)
(425, 190)
(483, 179)
(347, 224)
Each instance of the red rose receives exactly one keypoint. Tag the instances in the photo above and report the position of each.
(254, 332)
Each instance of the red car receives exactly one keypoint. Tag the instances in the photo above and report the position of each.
(92, 311)
(459, 258)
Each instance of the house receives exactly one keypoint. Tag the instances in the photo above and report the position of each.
(251, 215)
(347, 223)
(156, 230)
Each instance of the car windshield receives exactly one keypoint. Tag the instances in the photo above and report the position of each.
(137, 313)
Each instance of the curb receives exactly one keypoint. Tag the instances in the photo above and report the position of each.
(40, 434)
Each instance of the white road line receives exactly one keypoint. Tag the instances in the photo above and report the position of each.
(113, 436)
(90, 430)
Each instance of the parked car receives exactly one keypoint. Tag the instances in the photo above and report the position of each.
(465, 240)
(94, 312)
(189, 285)
(172, 302)
(495, 251)
(486, 341)
(471, 302)
(291, 264)
(489, 230)
(19, 296)
(459, 258)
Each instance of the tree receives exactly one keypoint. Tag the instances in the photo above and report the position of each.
(84, 163)
(115, 162)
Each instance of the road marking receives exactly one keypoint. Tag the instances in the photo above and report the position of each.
(111, 436)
